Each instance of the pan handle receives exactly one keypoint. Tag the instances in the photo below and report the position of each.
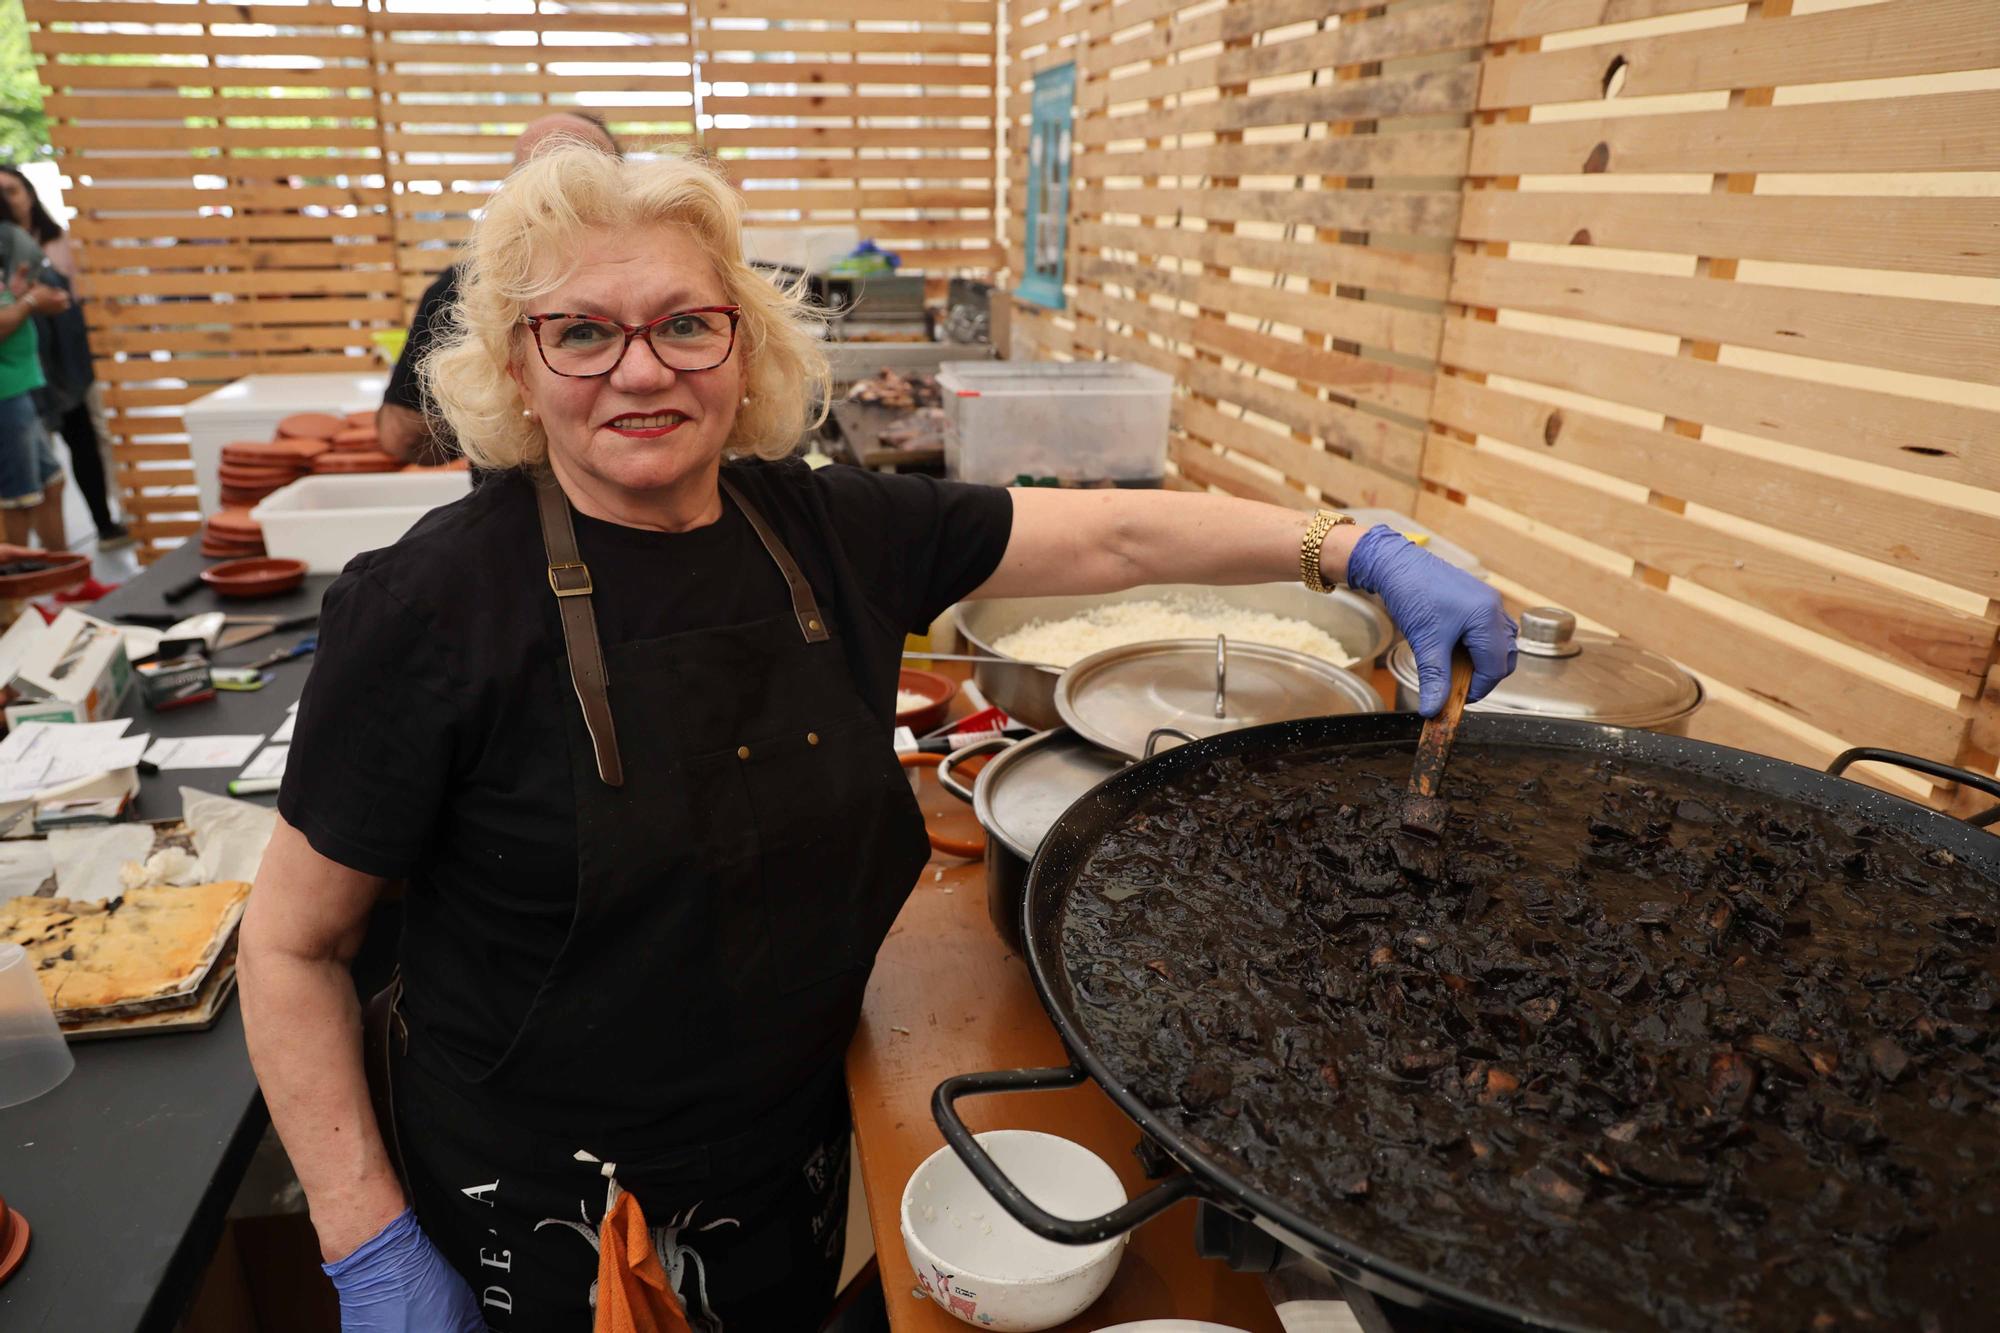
(947, 769)
(1153, 737)
(987, 1172)
(1929, 768)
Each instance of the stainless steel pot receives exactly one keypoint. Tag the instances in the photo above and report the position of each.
(1018, 796)
(1029, 696)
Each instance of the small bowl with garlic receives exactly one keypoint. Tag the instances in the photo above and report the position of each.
(986, 1268)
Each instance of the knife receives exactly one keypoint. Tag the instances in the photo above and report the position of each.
(239, 632)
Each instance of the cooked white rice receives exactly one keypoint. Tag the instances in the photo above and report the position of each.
(1061, 642)
(906, 700)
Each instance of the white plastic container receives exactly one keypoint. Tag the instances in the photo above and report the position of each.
(251, 408)
(1075, 421)
(327, 521)
(34, 1057)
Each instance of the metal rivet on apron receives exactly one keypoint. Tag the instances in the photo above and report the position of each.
(742, 752)
(812, 624)
(812, 738)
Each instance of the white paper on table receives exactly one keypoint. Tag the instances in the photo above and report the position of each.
(33, 739)
(269, 763)
(22, 778)
(229, 835)
(82, 761)
(203, 751)
(89, 862)
(23, 867)
(283, 734)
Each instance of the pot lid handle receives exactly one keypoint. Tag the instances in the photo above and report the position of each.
(1548, 631)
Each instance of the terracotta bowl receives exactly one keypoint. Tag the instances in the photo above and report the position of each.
(356, 460)
(355, 437)
(14, 1235)
(54, 571)
(259, 577)
(233, 522)
(361, 419)
(311, 425)
(938, 691)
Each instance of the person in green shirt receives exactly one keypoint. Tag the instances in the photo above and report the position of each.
(30, 476)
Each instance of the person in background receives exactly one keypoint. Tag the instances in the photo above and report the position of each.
(68, 366)
(30, 477)
(405, 425)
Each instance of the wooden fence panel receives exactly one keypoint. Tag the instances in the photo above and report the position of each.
(890, 133)
(1722, 366)
(231, 214)
(1266, 196)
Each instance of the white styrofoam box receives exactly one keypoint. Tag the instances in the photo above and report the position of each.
(1071, 420)
(1447, 551)
(327, 521)
(251, 408)
(807, 248)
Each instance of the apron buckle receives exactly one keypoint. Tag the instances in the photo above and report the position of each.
(561, 585)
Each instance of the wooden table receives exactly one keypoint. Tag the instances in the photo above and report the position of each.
(948, 998)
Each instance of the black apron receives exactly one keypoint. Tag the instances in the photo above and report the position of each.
(731, 896)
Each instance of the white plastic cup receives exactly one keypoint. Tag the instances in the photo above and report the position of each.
(33, 1055)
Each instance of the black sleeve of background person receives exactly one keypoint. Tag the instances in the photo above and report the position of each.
(406, 389)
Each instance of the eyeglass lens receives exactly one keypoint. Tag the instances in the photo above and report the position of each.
(695, 340)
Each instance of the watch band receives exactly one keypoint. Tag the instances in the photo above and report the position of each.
(1323, 522)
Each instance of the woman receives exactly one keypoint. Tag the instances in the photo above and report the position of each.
(635, 945)
(67, 362)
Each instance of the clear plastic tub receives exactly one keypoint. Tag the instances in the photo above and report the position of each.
(1067, 421)
(34, 1057)
(327, 521)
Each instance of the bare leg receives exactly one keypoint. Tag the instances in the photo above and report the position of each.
(47, 517)
(16, 525)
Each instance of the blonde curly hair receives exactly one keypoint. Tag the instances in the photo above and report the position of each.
(529, 240)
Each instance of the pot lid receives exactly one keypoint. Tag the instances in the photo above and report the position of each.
(1023, 791)
(1591, 677)
(1120, 696)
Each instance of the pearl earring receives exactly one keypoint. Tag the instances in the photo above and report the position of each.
(528, 414)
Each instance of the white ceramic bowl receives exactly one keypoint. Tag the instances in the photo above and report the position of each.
(988, 1269)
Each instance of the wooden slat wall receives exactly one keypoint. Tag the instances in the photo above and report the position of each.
(1723, 366)
(207, 254)
(210, 258)
(454, 95)
(1265, 199)
(876, 114)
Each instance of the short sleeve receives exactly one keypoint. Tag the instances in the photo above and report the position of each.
(378, 733)
(919, 544)
(406, 388)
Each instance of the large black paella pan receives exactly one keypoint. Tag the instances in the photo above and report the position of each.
(1671, 1037)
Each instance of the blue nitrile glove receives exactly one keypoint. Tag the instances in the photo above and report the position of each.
(1436, 605)
(397, 1282)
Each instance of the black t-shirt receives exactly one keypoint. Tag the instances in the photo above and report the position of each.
(432, 736)
(406, 387)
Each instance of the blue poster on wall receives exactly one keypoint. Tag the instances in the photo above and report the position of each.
(1049, 117)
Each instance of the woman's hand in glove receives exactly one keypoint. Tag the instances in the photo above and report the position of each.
(1437, 606)
(398, 1283)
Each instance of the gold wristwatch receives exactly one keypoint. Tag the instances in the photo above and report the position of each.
(1323, 522)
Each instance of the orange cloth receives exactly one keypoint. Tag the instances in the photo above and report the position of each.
(633, 1295)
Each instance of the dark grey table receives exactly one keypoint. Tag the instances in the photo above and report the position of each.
(125, 1172)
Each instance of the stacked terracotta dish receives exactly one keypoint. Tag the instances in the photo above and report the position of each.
(353, 448)
(249, 472)
(231, 534)
(306, 443)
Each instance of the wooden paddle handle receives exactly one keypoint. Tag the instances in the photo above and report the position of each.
(1434, 748)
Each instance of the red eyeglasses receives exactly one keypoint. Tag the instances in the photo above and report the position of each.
(584, 346)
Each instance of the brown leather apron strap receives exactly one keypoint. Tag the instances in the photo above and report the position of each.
(569, 580)
(811, 623)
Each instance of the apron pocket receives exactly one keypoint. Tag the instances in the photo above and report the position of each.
(837, 828)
